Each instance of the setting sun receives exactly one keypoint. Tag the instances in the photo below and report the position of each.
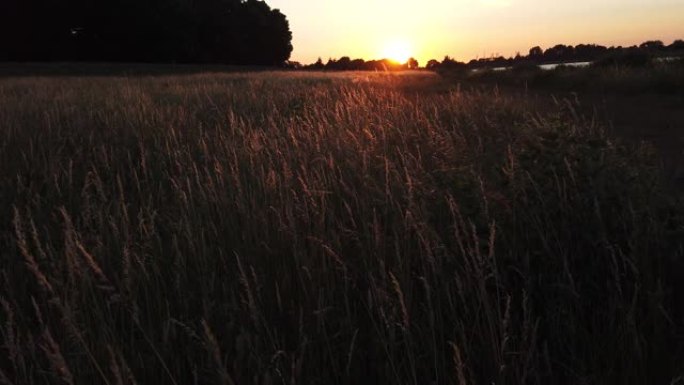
(455, 192)
(398, 50)
(465, 30)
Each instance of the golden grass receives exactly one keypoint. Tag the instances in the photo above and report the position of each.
(317, 228)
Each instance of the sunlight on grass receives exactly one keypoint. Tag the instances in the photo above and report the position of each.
(295, 228)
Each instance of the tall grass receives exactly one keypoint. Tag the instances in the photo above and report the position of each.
(312, 229)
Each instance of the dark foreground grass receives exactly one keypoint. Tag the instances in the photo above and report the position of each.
(310, 229)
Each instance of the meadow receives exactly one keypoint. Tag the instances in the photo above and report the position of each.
(312, 228)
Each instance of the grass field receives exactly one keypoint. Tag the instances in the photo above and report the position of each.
(288, 228)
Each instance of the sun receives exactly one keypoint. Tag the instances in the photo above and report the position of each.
(398, 51)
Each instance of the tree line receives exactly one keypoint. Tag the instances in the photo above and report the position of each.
(240, 32)
(557, 54)
(561, 53)
(346, 63)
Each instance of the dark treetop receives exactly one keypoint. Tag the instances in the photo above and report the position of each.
(244, 32)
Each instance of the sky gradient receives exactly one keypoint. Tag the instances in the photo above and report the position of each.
(467, 29)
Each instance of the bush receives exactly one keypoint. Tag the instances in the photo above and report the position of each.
(526, 68)
(630, 59)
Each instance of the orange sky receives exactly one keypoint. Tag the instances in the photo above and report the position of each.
(467, 29)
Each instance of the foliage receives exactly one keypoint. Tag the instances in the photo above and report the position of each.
(629, 59)
(625, 74)
(561, 53)
(345, 63)
(197, 31)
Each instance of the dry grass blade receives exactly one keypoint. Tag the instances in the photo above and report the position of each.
(458, 364)
(213, 347)
(402, 303)
(29, 260)
(248, 293)
(56, 359)
(4, 380)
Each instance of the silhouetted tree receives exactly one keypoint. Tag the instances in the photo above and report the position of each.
(412, 63)
(432, 64)
(344, 63)
(318, 65)
(536, 52)
(559, 52)
(652, 45)
(211, 31)
(447, 64)
(589, 51)
(677, 45)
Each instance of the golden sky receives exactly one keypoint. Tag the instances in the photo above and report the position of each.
(466, 29)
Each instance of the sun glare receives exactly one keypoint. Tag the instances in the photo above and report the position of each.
(398, 51)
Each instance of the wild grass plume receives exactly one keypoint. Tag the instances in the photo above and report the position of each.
(284, 228)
